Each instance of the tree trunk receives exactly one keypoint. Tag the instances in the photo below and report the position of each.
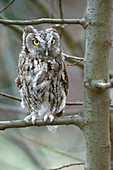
(96, 100)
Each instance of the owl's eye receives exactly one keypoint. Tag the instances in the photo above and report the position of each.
(36, 42)
(53, 41)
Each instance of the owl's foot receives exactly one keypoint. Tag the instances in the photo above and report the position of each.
(48, 116)
(32, 116)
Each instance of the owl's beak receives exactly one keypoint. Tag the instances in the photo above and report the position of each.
(46, 51)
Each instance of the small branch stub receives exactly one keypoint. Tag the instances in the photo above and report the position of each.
(102, 85)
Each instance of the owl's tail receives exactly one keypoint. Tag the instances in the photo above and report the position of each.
(52, 129)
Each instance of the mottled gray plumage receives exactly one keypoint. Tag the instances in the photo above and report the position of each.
(42, 76)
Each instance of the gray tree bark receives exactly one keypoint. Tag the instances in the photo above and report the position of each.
(96, 70)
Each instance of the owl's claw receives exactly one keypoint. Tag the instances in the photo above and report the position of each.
(27, 118)
(32, 116)
(48, 116)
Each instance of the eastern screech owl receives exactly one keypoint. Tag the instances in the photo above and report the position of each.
(42, 76)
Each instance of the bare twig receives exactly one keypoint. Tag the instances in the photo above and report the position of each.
(43, 21)
(61, 16)
(73, 64)
(60, 8)
(74, 103)
(66, 120)
(68, 165)
(6, 6)
(73, 57)
(10, 96)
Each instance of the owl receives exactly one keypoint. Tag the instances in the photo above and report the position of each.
(42, 76)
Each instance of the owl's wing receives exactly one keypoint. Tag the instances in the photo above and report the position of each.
(64, 78)
(18, 79)
(65, 84)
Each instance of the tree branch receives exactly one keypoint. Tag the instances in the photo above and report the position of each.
(66, 120)
(68, 165)
(43, 21)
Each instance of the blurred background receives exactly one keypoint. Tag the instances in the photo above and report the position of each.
(35, 148)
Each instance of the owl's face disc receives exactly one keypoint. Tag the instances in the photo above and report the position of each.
(44, 43)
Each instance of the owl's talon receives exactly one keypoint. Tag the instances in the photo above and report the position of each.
(48, 116)
(33, 121)
(27, 118)
(32, 116)
(51, 117)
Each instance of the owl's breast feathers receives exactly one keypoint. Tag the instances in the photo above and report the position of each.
(42, 81)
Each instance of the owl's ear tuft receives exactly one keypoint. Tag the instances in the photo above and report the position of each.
(54, 30)
(29, 29)
(51, 29)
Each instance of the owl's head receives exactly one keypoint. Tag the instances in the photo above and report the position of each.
(46, 43)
